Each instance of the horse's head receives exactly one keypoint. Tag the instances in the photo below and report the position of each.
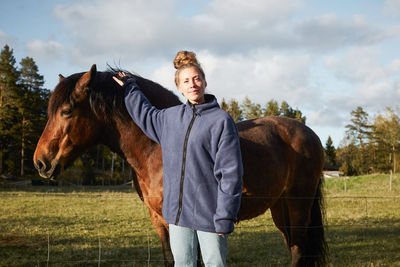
(84, 110)
(71, 127)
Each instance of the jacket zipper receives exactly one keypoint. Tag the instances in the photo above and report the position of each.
(184, 164)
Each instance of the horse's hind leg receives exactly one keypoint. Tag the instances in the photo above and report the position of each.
(291, 216)
(280, 215)
(299, 215)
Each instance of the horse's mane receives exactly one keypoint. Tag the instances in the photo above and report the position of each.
(107, 97)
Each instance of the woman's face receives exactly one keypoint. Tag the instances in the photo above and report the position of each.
(192, 85)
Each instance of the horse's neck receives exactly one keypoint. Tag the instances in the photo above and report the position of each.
(143, 155)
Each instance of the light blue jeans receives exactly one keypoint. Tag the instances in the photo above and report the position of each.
(184, 245)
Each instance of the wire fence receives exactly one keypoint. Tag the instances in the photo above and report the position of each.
(94, 236)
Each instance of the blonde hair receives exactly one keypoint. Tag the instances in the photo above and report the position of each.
(186, 59)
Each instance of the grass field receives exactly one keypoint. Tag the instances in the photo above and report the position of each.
(70, 226)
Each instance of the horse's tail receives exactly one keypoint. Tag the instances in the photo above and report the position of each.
(317, 248)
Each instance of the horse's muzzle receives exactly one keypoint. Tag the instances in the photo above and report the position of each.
(47, 171)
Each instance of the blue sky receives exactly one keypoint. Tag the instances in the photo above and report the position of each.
(323, 57)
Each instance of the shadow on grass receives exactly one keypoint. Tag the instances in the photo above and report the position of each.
(376, 243)
(350, 245)
(364, 242)
(42, 250)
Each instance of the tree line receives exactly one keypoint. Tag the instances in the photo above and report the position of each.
(371, 145)
(368, 146)
(249, 110)
(23, 103)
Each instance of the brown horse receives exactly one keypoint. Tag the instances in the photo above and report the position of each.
(282, 158)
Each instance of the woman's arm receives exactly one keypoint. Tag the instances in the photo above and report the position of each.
(144, 114)
(229, 170)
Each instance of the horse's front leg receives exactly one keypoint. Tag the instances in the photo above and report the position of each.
(163, 232)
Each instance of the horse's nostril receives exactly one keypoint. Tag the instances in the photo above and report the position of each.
(40, 165)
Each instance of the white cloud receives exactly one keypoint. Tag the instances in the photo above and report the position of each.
(325, 116)
(358, 65)
(44, 51)
(127, 29)
(150, 31)
(392, 7)
(380, 94)
(371, 83)
(394, 67)
(331, 32)
(237, 20)
(165, 76)
(249, 14)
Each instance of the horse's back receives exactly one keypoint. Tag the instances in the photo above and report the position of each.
(292, 132)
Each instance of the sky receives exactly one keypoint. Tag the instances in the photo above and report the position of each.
(325, 58)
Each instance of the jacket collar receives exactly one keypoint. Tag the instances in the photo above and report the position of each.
(210, 102)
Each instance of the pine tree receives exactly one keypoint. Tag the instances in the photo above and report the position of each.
(287, 111)
(299, 116)
(349, 158)
(272, 108)
(32, 107)
(9, 116)
(359, 129)
(246, 107)
(386, 135)
(235, 111)
(251, 110)
(8, 76)
(330, 152)
(224, 105)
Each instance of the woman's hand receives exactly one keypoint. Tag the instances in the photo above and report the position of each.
(122, 78)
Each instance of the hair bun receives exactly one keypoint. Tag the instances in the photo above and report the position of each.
(185, 57)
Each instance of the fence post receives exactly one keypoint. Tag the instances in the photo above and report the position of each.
(391, 180)
(98, 235)
(112, 167)
(366, 210)
(48, 247)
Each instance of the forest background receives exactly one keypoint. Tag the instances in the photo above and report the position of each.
(370, 145)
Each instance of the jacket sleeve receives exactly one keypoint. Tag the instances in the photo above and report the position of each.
(228, 169)
(143, 113)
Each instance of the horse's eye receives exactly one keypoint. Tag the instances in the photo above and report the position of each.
(66, 112)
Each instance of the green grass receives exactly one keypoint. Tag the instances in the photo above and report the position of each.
(50, 226)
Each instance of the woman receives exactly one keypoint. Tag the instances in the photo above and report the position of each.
(201, 162)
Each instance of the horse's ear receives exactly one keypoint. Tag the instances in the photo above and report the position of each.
(61, 78)
(85, 83)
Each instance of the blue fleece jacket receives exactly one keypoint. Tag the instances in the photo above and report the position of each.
(201, 160)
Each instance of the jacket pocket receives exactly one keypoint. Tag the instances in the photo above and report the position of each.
(205, 204)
